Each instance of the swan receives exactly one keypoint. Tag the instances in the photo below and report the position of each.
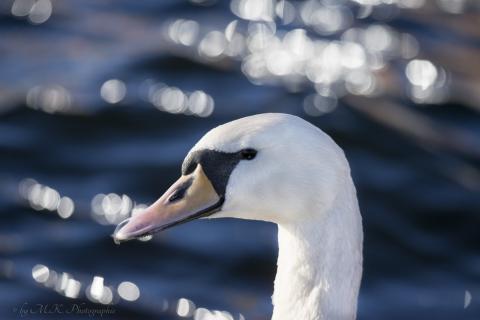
(282, 169)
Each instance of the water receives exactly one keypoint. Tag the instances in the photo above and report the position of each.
(415, 165)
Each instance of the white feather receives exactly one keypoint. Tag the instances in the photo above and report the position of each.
(301, 181)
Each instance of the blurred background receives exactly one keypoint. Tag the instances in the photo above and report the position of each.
(101, 100)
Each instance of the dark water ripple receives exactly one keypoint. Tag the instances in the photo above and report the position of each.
(419, 197)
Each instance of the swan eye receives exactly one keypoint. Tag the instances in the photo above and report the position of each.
(248, 154)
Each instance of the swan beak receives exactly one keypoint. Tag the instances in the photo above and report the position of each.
(190, 197)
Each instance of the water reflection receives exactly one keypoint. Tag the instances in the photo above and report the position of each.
(183, 32)
(174, 100)
(452, 6)
(37, 11)
(128, 291)
(40, 273)
(378, 57)
(96, 288)
(41, 197)
(113, 91)
(271, 53)
(428, 83)
(256, 10)
(111, 208)
(97, 292)
(49, 99)
(73, 288)
(185, 307)
(212, 45)
(64, 284)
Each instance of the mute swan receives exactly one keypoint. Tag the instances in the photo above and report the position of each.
(277, 168)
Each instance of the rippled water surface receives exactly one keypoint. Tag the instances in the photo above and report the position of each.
(101, 100)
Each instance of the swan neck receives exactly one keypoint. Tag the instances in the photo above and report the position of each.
(320, 264)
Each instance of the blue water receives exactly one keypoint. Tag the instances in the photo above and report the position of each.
(420, 201)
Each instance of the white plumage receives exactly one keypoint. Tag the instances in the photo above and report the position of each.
(300, 181)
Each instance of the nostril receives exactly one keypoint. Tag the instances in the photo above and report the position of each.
(177, 195)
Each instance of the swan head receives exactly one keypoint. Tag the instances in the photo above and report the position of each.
(271, 167)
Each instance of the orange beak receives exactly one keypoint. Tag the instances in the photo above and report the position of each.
(190, 197)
